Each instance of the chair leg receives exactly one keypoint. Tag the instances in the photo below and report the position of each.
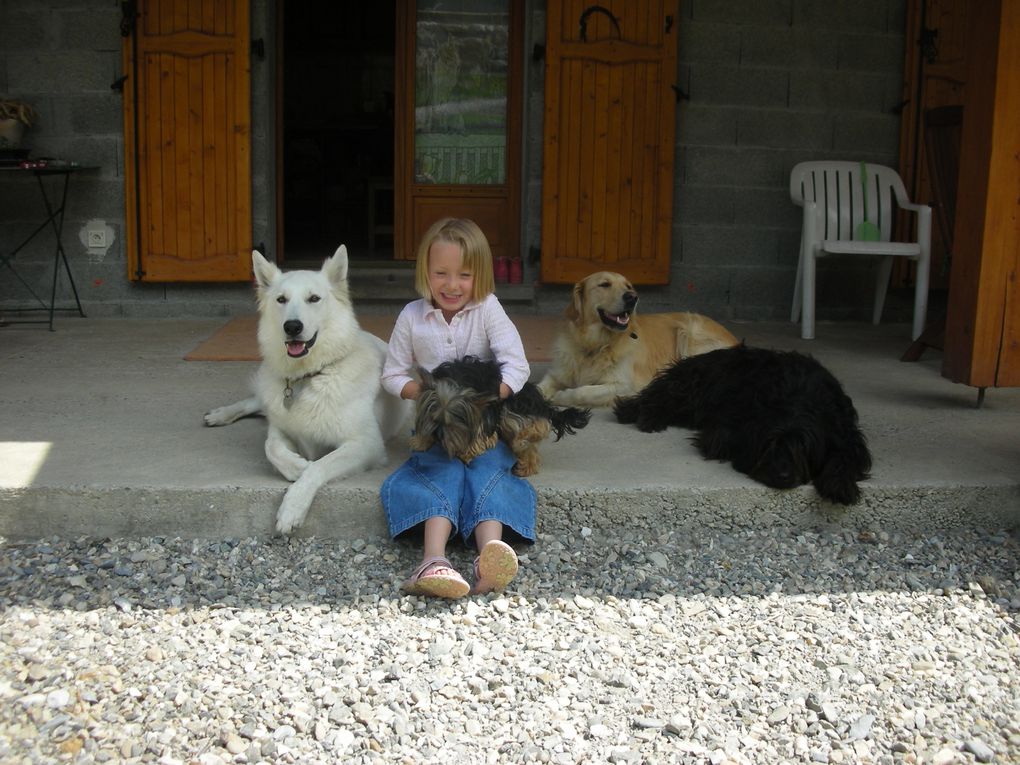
(920, 297)
(807, 325)
(797, 286)
(934, 336)
(881, 287)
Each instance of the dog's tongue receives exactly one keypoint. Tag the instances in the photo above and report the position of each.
(621, 318)
(295, 347)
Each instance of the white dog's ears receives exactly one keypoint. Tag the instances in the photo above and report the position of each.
(265, 271)
(335, 268)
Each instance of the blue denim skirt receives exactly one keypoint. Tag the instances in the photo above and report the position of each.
(432, 483)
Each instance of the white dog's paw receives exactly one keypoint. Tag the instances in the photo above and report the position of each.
(224, 415)
(292, 469)
(292, 513)
(217, 416)
(282, 456)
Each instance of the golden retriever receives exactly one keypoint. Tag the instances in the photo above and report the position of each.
(606, 350)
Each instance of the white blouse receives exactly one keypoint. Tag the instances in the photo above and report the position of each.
(422, 337)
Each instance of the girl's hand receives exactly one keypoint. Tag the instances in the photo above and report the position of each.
(504, 391)
(411, 391)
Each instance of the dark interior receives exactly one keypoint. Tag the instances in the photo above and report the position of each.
(337, 120)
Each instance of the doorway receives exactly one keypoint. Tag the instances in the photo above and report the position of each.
(335, 117)
(449, 73)
(459, 116)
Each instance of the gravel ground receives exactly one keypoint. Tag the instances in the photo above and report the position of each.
(822, 646)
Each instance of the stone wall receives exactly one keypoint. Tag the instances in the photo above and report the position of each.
(63, 56)
(769, 83)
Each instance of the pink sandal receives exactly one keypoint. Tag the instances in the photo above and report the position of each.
(436, 577)
(495, 567)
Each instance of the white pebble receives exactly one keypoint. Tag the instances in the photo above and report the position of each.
(661, 643)
(58, 699)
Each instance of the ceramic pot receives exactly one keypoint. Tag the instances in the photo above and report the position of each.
(11, 131)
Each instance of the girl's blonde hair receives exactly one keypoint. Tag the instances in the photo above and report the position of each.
(475, 253)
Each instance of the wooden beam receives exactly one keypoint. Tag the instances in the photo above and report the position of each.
(983, 322)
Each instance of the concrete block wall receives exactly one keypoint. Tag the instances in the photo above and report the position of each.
(62, 56)
(770, 83)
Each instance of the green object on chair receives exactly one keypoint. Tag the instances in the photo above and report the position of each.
(866, 231)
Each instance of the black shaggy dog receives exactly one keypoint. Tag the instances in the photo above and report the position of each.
(460, 408)
(778, 416)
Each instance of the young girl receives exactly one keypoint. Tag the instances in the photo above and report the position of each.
(457, 316)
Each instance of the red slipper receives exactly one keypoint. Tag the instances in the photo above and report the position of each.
(495, 567)
(437, 578)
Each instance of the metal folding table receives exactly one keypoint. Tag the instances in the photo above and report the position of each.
(54, 220)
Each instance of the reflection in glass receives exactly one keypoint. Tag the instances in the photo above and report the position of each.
(461, 68)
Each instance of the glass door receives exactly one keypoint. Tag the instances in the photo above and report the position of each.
(459, 149)
(460, 92)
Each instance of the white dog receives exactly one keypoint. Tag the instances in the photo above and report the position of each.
(318, 384)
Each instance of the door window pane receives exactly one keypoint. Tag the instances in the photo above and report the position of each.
(461, 68)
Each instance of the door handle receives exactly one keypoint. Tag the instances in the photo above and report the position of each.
(583, 21)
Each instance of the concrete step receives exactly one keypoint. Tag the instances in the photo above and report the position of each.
(101, 434)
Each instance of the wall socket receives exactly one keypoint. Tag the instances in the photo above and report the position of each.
(96, 237)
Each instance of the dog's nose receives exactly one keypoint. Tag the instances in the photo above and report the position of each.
(629, 300)
(293, 327)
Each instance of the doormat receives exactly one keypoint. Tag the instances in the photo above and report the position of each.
(234, 341)
(237, 340)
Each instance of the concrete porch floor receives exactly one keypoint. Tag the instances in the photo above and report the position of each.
(101, 434)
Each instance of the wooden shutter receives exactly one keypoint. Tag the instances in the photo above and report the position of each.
(610, 114)
(187, 141)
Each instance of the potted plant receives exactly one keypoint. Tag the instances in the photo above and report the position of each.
(15, 116)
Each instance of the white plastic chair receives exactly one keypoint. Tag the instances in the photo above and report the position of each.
(833, 202)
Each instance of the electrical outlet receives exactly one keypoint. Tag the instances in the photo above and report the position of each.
(96, 237)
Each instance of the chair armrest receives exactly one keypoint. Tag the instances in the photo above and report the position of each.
(923, 223)
(912, 207)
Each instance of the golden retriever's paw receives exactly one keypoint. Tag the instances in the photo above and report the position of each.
(585, 396)
(547, 387)
(562, 398)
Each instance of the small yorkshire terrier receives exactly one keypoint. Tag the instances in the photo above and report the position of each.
(460, 408)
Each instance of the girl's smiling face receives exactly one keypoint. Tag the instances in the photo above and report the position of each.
(450, 283)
